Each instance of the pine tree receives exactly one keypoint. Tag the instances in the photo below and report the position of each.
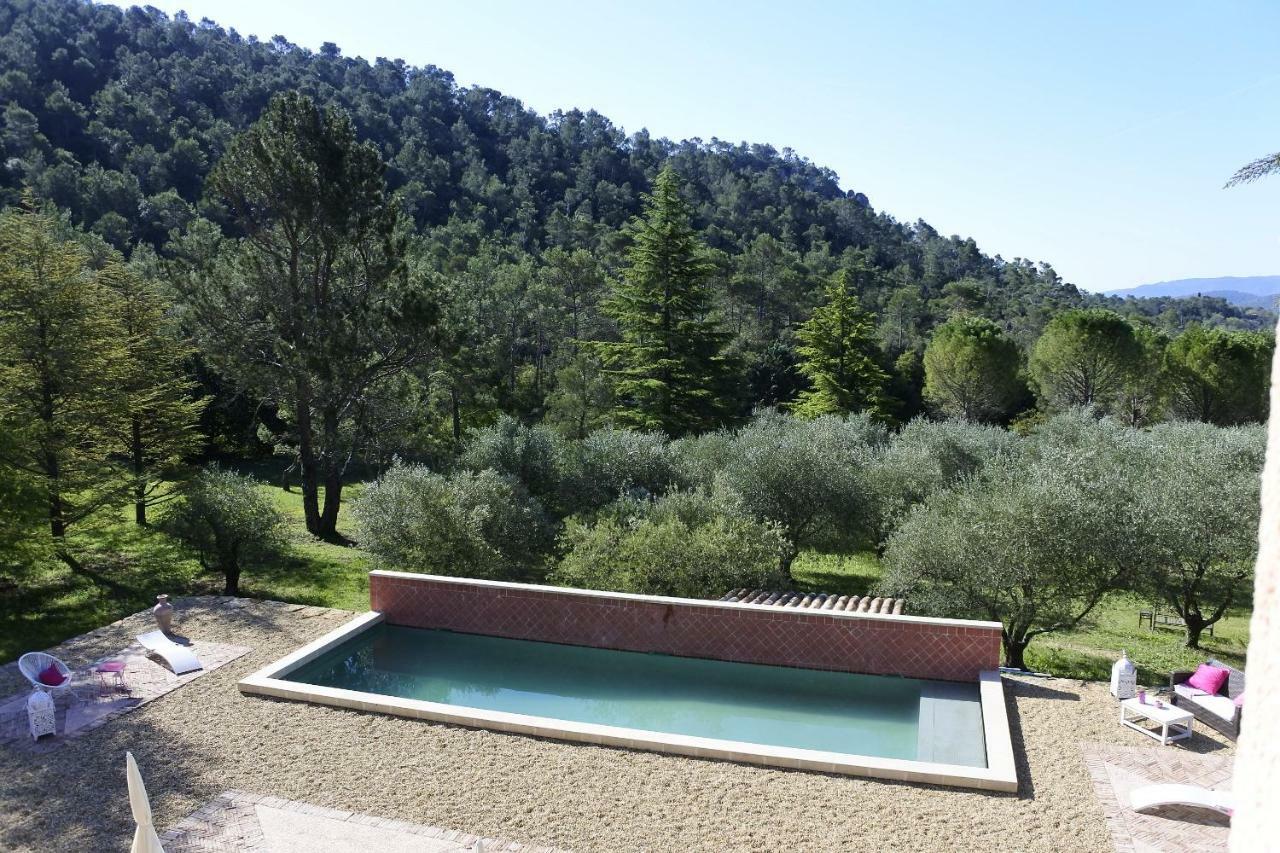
(972, 371)
(316, 307)
(62, 360)
(670, 371)
(838, 355)
(161, 414)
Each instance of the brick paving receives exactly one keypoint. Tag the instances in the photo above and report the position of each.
(1117, 770)
(87, 705)
(231, 823)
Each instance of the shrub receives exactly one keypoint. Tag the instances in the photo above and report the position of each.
(690, 545)
(471, 524)
(229, 523)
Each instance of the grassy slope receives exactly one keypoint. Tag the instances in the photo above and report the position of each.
(52, 604)
(1089, 650)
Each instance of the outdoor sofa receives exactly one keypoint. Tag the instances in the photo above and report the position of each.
(1218, 711)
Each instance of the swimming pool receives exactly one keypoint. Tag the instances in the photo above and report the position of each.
(777, 706)
(780, 716)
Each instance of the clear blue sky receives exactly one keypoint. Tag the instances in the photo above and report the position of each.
(1095, 136)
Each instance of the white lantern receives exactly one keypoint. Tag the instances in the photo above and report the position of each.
(1124, 678)
(40, 714)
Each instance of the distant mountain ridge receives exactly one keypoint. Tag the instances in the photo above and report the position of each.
(1254, 291)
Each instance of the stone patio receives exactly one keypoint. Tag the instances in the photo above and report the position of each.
(1117, 770)
(86, 705)
(239, 821)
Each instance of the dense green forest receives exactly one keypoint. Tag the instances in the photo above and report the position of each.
(119, 117)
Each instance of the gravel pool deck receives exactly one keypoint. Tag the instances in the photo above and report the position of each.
(205, 738)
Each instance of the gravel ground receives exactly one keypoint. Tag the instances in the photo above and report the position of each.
(206, 737)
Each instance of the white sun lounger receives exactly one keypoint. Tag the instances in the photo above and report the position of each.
(180, 660)
(1151, 796)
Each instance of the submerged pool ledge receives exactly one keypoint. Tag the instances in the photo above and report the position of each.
(998, 775)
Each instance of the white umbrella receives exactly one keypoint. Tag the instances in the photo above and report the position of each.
(145, 839)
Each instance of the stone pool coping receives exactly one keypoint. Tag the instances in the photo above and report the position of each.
(1000, 774)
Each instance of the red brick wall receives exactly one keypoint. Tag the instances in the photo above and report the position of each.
(881, 645)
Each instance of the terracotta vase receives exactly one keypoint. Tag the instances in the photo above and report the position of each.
(163, 611)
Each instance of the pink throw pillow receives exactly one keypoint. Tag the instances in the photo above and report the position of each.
(51, 676)
(1209, 678)
(1239, 700)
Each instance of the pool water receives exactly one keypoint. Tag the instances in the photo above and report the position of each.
(872, 715)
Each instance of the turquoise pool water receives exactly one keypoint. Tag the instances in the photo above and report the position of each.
(777, 706)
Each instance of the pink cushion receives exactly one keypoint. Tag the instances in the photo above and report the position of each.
(1209, 678)
(51, 676)
(1239, 700)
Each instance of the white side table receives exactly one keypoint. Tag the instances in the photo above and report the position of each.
(1175, 723)
(41, 717)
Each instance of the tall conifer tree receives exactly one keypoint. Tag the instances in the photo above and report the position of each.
(61, 367)
(162, 415)
(670, 370)
(316, 307)
(839, 356)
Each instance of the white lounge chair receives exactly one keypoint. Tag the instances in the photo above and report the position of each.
(33, 663)
(180, 660)
(1151, 796)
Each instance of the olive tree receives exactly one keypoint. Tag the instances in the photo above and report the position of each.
(928, 456)
(810, 477)
(533, 455)
(1200, 506)
(1034, 544)
(612, 462)
(470, 524)
(229, 523)
(693, 545)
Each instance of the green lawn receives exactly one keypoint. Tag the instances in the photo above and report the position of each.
(131, 565)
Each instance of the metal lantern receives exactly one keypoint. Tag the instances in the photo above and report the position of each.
(1124, 678)
(40, 714)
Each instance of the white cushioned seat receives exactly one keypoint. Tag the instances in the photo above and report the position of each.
(1220, 706)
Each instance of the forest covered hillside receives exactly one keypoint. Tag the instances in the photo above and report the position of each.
(117, 117)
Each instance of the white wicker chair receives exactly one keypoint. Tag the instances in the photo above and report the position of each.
(33, 663)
